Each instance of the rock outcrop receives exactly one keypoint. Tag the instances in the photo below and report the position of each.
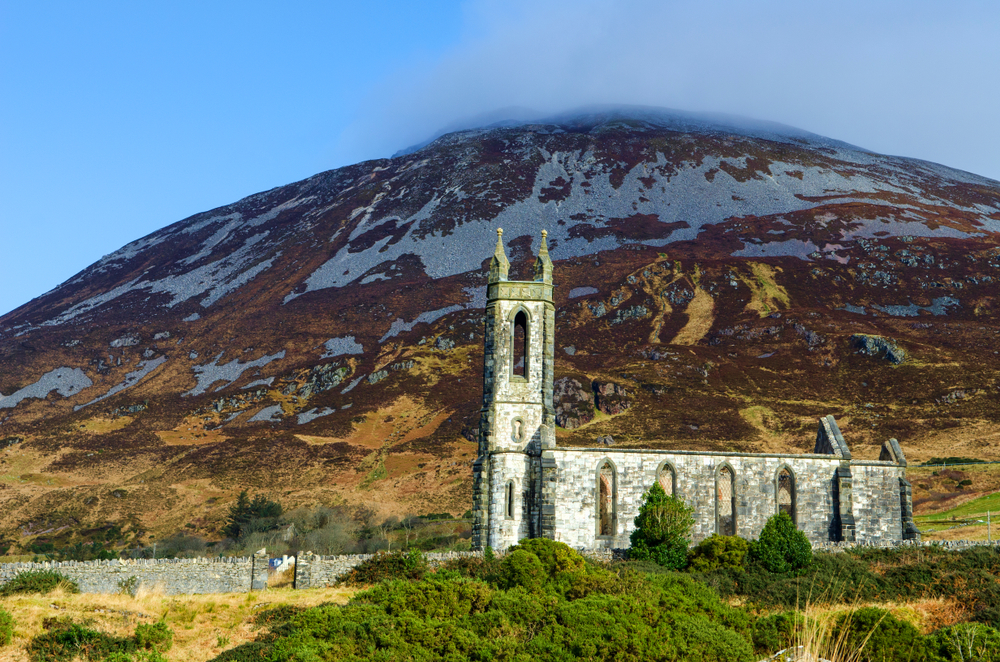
(573, 403)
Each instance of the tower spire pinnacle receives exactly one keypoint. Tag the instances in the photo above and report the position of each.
(543, 265)
(499, 265)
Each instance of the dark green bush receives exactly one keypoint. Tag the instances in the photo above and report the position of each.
(6, 627)
(781, 547)
(716, 552)
(555, 557)
(472, 567)
(387, 565)
(580, 611)
(965, 641)
(154, 635)
(65, 640)
(37, 581)
(776, 631)
(522, 568)
(876, 635)
(662, 529)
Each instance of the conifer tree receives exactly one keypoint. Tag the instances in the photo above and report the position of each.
(662, 529)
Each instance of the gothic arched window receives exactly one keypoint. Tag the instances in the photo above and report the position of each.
(519, 345)
(606, 499)
(666, 478)
(786, 492)
(725, 503)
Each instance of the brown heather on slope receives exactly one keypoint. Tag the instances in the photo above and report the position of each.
(322, 342)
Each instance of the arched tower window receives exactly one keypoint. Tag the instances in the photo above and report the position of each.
(509, 500)
(725, 505)
(606, 499)
(786, 492)
(519, 345)
(665, 477)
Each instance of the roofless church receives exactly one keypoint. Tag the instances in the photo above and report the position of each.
(527, 487)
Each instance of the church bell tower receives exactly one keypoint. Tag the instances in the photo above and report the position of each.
(517, 421)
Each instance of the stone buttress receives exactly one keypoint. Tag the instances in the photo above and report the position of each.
(517, 420)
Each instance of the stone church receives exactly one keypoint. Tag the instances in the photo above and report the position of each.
(525, 486)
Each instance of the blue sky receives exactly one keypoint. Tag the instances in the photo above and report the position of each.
(117, 118)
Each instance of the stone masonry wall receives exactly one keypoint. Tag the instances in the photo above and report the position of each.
(876, 499)
(315, 571)
(876, 515)
(172, 576)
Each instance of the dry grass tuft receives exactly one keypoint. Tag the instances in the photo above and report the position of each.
(203, 625)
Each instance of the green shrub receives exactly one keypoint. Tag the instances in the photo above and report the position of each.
(6, 627)
(965, 641)
(473, 567)
(522, 568)
(716, 552)
(871, 634)
(662, 529)
(781, 546)
(387, 565)
(674, 618)
(555, 557)
(65, 640)
(776, 631)
(154, 635)
(37, 581)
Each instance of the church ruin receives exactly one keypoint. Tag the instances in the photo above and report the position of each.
(527, 487)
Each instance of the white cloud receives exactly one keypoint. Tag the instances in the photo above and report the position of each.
(910, 78)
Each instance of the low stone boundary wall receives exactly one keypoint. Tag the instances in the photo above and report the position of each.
(172, 576)
(315, 571)
(902, 544)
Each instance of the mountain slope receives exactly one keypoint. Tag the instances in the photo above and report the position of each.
(321, 340)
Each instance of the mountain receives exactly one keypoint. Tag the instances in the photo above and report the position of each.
(721, 283)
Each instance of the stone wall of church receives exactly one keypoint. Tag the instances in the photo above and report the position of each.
(507, 528)
(874, 519)
(875, 500)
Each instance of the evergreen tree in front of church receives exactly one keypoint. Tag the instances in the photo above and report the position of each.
(662, 529)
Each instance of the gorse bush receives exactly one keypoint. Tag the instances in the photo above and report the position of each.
(543, 601)
(781, 547)
(776, 631)
(965, 641)
(37, 581)
(662, 529)
(64, 640)
(716, 552)
(876, 635)
(387, 565)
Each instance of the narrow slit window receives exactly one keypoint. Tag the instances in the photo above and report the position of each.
(726, 502)
(510, 500)
(519, 349)
(606, 500)
(786, 493)
(666, 479)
